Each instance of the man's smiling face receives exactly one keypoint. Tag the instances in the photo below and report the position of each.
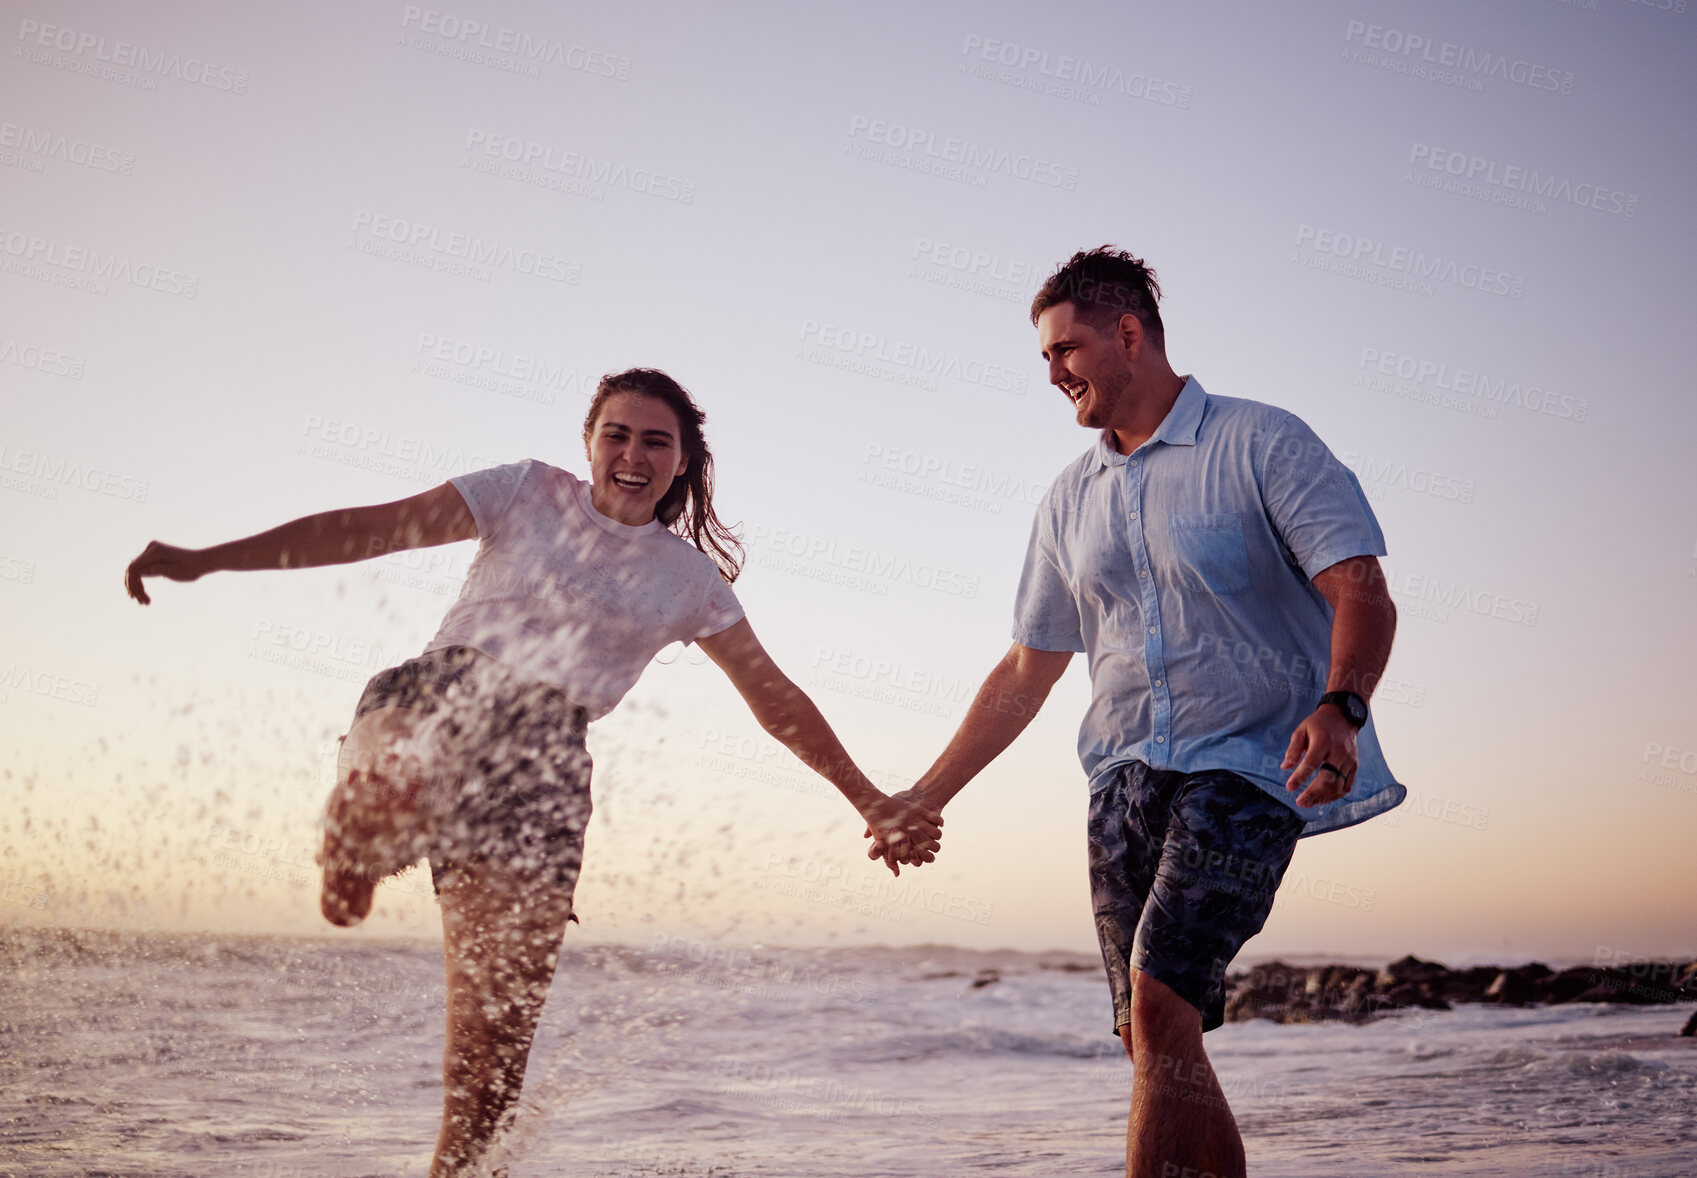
(1092, 368)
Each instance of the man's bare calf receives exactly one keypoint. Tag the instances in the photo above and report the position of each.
(1179, 1125)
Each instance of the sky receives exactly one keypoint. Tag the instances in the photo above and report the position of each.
(261, 262)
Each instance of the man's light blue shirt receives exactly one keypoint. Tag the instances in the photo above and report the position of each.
(1184, 571)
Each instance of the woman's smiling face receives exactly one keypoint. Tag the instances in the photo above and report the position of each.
(634, 454)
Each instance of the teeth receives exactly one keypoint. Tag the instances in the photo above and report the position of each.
(625, 480)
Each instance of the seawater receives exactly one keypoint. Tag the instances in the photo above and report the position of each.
(286, 1058)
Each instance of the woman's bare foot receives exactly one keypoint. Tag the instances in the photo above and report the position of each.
(351, 837)
(379, 817)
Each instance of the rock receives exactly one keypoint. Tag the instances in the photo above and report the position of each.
(1518, 986)
(1643, 984)
(1410, 969)
(1416, 994)
(1240, 1007)
(1647, 982)
(1597, 993)
(1342, 978)
(1072, 966)
(1689, 1030)
(1566, 985)
(1337, 992)
(1510, 988)
(1469, 985)
(1293, 993)
(1267, 991)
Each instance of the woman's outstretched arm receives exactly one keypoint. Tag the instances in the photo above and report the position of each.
(438, 516)
(785, 711)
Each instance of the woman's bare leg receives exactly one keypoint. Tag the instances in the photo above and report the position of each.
(375, 819)
(501, 941)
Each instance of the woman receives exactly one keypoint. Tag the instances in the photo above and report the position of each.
(473, 753)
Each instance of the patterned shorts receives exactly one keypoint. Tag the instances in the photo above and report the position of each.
(517, 770)
(1183, 870)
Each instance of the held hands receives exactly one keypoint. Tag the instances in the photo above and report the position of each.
(162, 560)
(903, 829)
(1322, 747)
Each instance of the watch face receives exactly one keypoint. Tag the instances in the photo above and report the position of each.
(1351, 705)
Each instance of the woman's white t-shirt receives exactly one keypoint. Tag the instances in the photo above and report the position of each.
(563, 594)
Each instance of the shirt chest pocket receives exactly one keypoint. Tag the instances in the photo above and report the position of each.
(1209, 553)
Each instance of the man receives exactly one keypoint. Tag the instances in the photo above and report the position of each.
(1219, 568)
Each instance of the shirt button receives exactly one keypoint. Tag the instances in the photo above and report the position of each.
(1134, 515)
(1160, 740)
(1133, 462)
(1151, 629)
(1144, 573)
(1157, 683)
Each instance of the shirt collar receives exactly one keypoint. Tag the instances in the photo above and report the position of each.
(1177, 428)
(586, 501)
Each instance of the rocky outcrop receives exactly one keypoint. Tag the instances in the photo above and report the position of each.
(1320, 993)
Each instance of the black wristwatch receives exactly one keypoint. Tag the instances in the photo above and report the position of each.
(1353, 707)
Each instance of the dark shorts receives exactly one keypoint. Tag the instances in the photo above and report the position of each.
(516, 782)
(1183, 870)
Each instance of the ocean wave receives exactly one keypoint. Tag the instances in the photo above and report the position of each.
(983, 1040)
(1600, 1064)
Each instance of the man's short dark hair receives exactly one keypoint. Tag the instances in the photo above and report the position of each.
(1102, 284)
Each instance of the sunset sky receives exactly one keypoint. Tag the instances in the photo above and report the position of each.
(259, 262)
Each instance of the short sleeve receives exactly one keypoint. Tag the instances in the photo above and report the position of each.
(1314, 502)
(490, 494)
(720, 611)
(1045, 611)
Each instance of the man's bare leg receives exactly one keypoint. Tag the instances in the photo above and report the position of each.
(1179, 1123)
(501, 941)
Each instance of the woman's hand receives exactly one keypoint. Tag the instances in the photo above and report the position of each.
(906, 828)
(163, 560)
(903, 829)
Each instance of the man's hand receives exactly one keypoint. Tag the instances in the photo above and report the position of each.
(162, 560)
(1322, 747)
(903, 829)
